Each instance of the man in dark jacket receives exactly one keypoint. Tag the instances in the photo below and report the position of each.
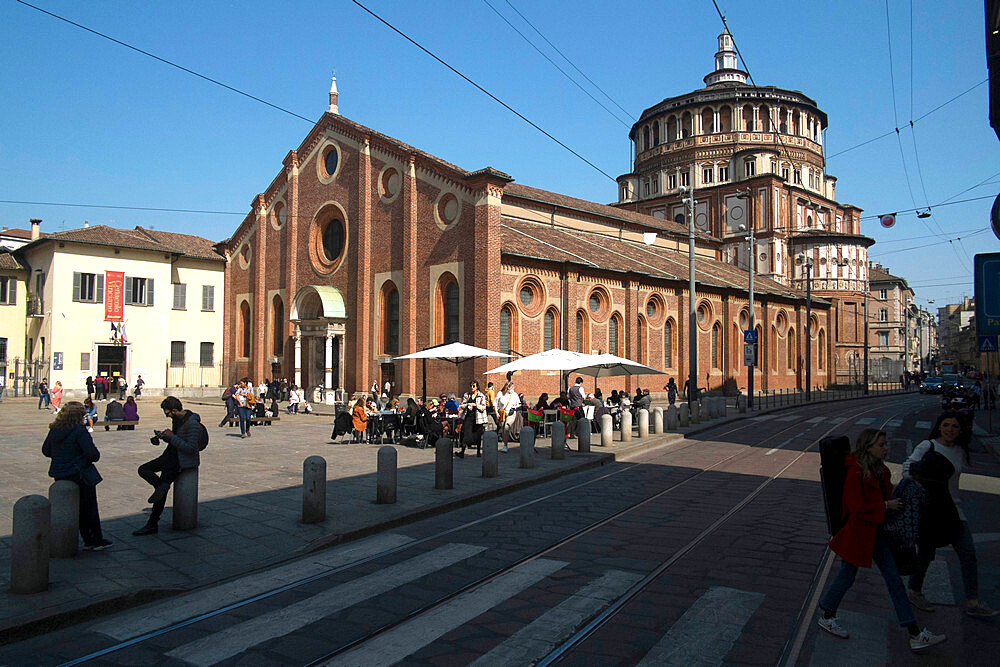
(184, 442)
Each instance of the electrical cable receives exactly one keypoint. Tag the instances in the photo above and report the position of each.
(126, 208)
(944, 203)
(927, 245)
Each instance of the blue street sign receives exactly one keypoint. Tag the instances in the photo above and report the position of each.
(988, 293)
(750, 336)
(987, 343)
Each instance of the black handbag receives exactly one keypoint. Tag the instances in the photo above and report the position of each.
(90, 476)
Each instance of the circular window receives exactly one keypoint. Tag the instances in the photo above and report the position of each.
(331, 158)
(679, 218)
(447, 211)
(527, 295)
(763, 256)
(744, 319)
(328, 239)
(704, 315)
(278, 215)
(244, 255)
(531, 296)
(651, 309)
(333, 239)
(389, 183)
(655, 308)
(595, 303)
(701, 220)
(599, 304)
(782, 322)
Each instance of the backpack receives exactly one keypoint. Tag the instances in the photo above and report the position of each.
(203, 439)
(832, 474)
(227, 394)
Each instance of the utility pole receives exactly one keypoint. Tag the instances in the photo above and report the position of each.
(692, 302)
(809, 266)
(751, 259)
(867, 289)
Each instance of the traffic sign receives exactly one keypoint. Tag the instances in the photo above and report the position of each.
(749, 354)
(750, 336)
(987, 276)
(987, 343)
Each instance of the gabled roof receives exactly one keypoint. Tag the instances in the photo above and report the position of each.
(139, 239)
(877, 274)
(19, 233)
(9, 262)
(606, 252)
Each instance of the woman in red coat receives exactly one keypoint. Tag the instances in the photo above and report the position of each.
(861, 540)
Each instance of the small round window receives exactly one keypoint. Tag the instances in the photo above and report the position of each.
(651, 309)
(331, 158)
(389, 184)
(447, 210)
(595, 303)
(744, 319)
(278, 215)
(333, 239)
(527, 295)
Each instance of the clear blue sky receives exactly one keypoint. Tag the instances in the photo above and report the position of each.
(85, 120)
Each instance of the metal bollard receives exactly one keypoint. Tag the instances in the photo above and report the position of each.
(29, 545)
(657, 421)
(491, 457)
(684, 415)
(626, 426)
(527, 441)
(694, 412)
(643, 424)
(444, 465)
(583, 435)
(671, 419)
(64, 499)
(385, 476)
(607, 430)
(558, 440)
(313, 490)
(186, 500)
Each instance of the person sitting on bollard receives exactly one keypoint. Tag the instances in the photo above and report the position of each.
(71, 448)
(89, 414)
(130, 412)
(643, 402)
(474, 417)
(185, 439)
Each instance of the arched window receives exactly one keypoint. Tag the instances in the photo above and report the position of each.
(613, 334)
(760, 343)
(645, 137)
(708, 121)
(672, 129)
(582, 332)
(716, 345)
(725, 119)
(244, 329)
(447, 329)
(277, 326)
(748, 118)
(668, 344)
(821, 353)
(507, 333)
(642, 339)
(686, 123)
(765, 118)
(792, 351)
(772, 350)
(551, 336)
(390, 319)
(656, 132)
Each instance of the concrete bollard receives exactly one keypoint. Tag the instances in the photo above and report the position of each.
(29, 545)
(64, 499)
(684, 415)
(583, 435)
(186, 498)
(607, 430)
(741, 403)
(385, 476)
(313, 490)
(643, 424)
(444, 465)
(723, 408)
(657, 421)
(528, 446)
(491, 456)
(712, 405)
(559, 441)
(671, 420)
(694, 412)
(626, 426)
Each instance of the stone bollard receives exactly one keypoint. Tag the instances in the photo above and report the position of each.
(694, 412)
(313, 490)
(607, 430)
(626, 426)
(643, 424)
(583, 435)
(723, 408)
(385, 476)
(713, 407)
(559, 441)
(29, 545)
(64, 499)
(657, 421)
(186, 498)
(444, 465)
(527, 441)
(683, 415)
(491, 457)
(741, 403)
(671, 418)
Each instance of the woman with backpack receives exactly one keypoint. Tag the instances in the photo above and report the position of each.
(862, 540)
(937, 463)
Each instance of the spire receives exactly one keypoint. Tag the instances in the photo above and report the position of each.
(333, 94)
(727, 68)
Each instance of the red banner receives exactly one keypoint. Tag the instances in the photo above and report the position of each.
(114, 296)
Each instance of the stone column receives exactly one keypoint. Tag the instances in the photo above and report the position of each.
(527, 448)
(385, 476)
(559, 440)
(298, 348)
(643, 424)
(186, 500)
(683, 415)
(29, 545)
(444, 465)
(607, 430)
(491, 459)
(657, 421)
(341, 344)
(64, 497)
(328, 368)
(313, 490)
(672, 418)
(583, 435)
(626, 426)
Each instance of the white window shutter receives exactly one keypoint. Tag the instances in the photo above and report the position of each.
(149, 291)
(99, 288)
(76, 286)
(128, 289)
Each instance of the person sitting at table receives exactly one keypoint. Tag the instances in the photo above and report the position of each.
(89, 414)
(429, 423)
(359, 420)
(561, 402)
(543, 402)
(393, 404)
(410, 417)
(131, 412)
(374, 419)
(613, 399)
(451, 405)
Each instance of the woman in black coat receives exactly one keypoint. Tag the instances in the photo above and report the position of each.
(73, 454)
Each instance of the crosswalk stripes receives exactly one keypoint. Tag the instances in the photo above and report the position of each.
(815, 420)
(894, 423)
(789, 418)
(867, 645)
(864, 421)
(707, 631)
(413, 635)
(538, 638)
(923, 424)
(139, 621)
(242, 636)
(836, 420)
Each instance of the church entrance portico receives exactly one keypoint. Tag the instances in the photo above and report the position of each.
(320, 320)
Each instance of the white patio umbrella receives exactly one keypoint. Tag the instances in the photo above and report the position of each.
(549, 360)
(608, 364)
(456, 353)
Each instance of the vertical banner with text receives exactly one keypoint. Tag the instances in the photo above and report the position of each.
(114, 296)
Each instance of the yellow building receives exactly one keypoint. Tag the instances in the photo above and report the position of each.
(13, 296)
(125, 303)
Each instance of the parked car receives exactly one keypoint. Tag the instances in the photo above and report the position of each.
(950, 381)
(932, 384)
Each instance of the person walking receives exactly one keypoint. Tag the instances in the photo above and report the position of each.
(185, 439)
(245, 404)
(474, 419)
(122, 387)
(90, 387)
(57, 391)
(509, 419)
(138, 387)
(229, 398)
(671, 389)
(43, 394)
(862, 540)
(944, 522)
(71, 448)
(293, 401)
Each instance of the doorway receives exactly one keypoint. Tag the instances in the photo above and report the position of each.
(111, 360)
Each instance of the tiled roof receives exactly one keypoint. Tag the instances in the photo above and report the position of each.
(606, 252)
(8, 261)
(602, 210)
(140, 239)
(19, 233)
(877, 274)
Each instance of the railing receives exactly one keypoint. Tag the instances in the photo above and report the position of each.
(764, 400)
(35, 307)
(194, 375)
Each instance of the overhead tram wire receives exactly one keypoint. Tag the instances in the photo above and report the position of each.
(125, 208)
(913, 133)
(481, 89)
(553, 63)
(895, 110)
(556, 48)
(944, 203)
(928, 245)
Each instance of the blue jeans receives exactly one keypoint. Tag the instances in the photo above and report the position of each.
(966, 550)
(43, 398)
(887, 566)
(244, 420)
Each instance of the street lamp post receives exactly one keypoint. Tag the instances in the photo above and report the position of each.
(867, 288)
(751, 252)
(692, 304)
(809, 266)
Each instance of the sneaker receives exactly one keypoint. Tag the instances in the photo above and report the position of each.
(100, 546)
(504, 450)
(90, 429)
(148, 529)
(832, 626)
(918, 601)
(925, 639)
(981, 610)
